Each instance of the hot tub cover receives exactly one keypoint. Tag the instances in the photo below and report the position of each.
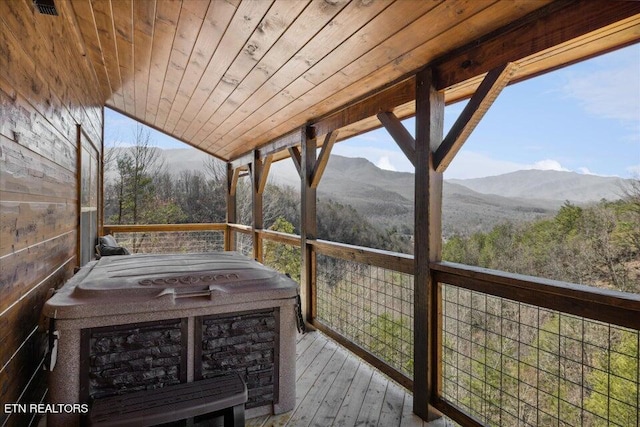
(149, 282)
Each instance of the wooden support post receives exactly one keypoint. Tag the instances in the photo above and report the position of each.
(308, 223)
(257, 187)
(232, 182)
(428, 245)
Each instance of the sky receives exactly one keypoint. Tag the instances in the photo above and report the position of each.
(583, 118)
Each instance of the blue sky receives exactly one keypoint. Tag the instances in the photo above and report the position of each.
(583, 118)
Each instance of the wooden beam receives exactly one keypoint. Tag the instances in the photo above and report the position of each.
(400, 135)
(427, 244)
(296, 158)
(473, 112)
(242, 161)
(264, 174)
(284, 142)
(542, 29)
(308, 223)
(385, 99)
(323, 158)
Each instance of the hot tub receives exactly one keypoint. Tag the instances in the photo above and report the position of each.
(130, 323)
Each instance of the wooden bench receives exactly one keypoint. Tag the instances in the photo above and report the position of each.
(226, 393)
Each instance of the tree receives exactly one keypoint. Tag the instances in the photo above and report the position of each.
(281, 257)
(614, 386)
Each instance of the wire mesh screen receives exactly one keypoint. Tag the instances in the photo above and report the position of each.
(244, 243)
(283, 258)
(509, 363)
(160, 242)
(371, 306)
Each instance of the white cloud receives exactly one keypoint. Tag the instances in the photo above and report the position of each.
(634, 170)
(585, 171)
(385, 163)
(469, 164)
(548, 165)
(611, 93)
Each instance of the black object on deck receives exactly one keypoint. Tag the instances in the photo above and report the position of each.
(226, 393)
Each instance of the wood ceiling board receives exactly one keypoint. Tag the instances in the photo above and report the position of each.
(276, 64)
(144, 15)
(167, 16)
(218, 16)
(247, 17)
(106, 34)
(122, 11)
(187, 32)
(277, 20)
(307, 117)
(337, 90)
(86, 24)
(358, 36)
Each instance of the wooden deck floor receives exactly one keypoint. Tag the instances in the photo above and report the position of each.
(335, 388)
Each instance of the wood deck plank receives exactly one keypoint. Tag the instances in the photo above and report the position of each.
(306, 410)
(330, 406)
(303, 342)
(336, 388)
(308, 356)
(409, 419)
(392, 406)
(352, 403)
(372, 404)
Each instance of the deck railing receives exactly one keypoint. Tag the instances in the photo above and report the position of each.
(512, 349)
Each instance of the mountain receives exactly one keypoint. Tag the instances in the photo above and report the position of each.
(548, 185)
(386, 197)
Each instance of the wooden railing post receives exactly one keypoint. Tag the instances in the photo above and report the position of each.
(232, 180)
(257, 222)
(308, 222)
(428, 244)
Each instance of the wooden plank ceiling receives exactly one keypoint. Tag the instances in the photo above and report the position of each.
(228, 76)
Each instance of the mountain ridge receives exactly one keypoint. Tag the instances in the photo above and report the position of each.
(469, 205)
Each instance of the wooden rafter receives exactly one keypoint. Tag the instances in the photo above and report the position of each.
(473, 112)
(400, 135)
(383, 100)
(323, 158)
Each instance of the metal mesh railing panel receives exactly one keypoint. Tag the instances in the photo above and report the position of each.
(510, 363)
(371, 306)
(244, 243)
(161, 242)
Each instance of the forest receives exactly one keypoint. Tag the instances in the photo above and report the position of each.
(505, 363)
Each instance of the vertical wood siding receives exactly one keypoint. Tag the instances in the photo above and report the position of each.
(46, 88)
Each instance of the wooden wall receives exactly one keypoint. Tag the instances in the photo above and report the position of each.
(46, 88)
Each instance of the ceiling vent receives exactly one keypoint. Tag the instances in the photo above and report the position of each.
(46, 7)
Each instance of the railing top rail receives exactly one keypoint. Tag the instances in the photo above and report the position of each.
(241, 228)
(379, 258)
(140, 228)
(280, 237)
(620, 308)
